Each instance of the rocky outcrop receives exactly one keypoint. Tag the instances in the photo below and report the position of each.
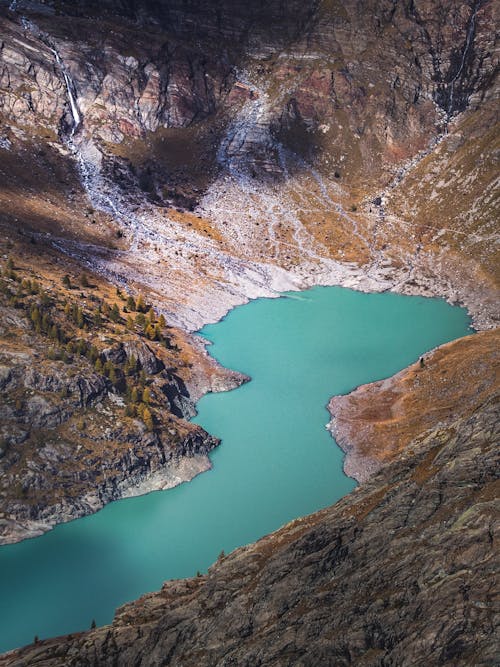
(399, 572)
(94, 412)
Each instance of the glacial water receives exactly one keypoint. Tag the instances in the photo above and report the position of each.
(276, 461)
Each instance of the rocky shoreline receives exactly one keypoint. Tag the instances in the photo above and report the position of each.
(374, 423)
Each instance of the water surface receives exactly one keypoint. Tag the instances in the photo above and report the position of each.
(276, 461)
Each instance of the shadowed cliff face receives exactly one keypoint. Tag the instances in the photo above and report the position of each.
(400, 572)
(278, 125)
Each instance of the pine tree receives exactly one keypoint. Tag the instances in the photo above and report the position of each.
(98, 366)
(113, 378)
(80, 320)
(130, 323)
(140, 304)
(134, 396)
(97, 319)
(147, 418)
(151, 315)
(114, 314)
(46, 323)
(162, 322)
(84, 281)
(35, 317)
(146, 395)
(150, 332)
(131, 366)
(131, 303)
(66, 281)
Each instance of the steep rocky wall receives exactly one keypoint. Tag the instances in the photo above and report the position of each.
(252, 149)
(399, 572)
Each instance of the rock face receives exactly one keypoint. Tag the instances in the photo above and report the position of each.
(255, 140)
(399, 572)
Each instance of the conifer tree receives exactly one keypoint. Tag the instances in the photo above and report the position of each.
(114, 314)
(130, 410)
(140, 304)
(113, 376)
(146, 395)
(147, 418)
(97, 318)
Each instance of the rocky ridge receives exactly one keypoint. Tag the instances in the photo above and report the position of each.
(374, 423)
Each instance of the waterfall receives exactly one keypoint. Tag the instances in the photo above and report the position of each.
(70, 87)
(468, 41)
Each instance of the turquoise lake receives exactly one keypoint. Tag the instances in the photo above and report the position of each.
(276, 461)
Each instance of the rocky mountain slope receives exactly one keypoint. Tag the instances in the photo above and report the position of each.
(375, 423)
(95, 392)
(246, 149)
(202, 154)
(400, 572)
